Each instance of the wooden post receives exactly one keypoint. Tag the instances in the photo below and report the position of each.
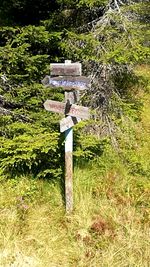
(68, 164)
(69, 161)
(69, 169)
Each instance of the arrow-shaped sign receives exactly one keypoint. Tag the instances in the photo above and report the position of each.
(72, 110)
(68, 83)
(68, 122)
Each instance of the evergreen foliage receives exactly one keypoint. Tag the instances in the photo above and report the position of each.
(106, 36)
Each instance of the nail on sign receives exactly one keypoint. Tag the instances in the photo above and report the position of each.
(72, 110)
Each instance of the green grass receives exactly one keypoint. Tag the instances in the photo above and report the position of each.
(109, 226)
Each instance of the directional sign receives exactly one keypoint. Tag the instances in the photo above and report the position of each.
(72, 96)
(68, 83)
(55, 106)
(65, 69)
(72, 110)
(68, 122)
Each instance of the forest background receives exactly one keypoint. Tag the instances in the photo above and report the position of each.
(110, 223)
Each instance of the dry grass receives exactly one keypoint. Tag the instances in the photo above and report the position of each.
(108, 228)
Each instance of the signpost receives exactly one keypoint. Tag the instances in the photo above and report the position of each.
(68, 83)
(68, 76)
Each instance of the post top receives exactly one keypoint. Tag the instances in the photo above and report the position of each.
(67, 61)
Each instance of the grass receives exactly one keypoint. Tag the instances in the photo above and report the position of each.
(109, 226)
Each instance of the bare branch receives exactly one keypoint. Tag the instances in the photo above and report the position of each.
(18, 117)
(4, 111)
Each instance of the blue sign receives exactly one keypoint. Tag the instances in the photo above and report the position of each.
(68, 83)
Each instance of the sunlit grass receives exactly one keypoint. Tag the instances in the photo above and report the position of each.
(109, 226)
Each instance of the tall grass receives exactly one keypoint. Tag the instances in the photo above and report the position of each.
(109, 226)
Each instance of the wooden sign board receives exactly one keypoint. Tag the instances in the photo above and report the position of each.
(72, 110)
(72, 97)
(68, 83)
(68, 122)
(55, 106)
(66, 69)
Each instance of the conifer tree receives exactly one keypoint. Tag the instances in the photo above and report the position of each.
(107, 36)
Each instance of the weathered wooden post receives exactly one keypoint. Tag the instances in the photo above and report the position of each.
(69, 169)
(69, 99)
(68, 76)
